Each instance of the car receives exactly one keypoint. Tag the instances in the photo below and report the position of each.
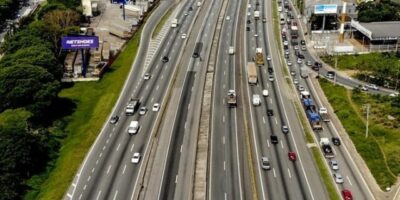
(114, 119)
(270, 112)
(347, 194)
(270, 70)
(274, 139)
(289, 63)
(142, 110)
(136, 158)
(373, 86)
(287, 56)
(256, 35)
(334, 165)
(336, 141)
(285, 129)
(264, 20)
(279, 8)
(299, 60)
(265, 93)
(296, 47)
(338, 178)
(287, 52)
(330, 74)
(302, 42)
(268, 57)
(271, 77)
(247, 28)
(256, 100)
(394, 94)
(300, 88)
(364, 88)
(190, 8)
(308, 63)
(265, 164)
(292, 156)
(303, 48)
(285, 43)
(293, 73)
(186, 14)
(295, 81)
(146, 76)
(299, 55)
(183, 35)
(257, 3)
(248, 21)
(165, 59)
(228, 18)
(156, 107)
(294, 23)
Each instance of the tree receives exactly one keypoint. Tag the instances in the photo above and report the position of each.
(27, 86)
(385, 10)
(34, 55)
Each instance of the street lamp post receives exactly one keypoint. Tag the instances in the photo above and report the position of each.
(367, 107)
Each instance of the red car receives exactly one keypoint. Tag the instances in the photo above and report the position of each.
(292, 156)
(347, 194)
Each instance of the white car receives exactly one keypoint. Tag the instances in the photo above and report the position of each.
(334, 165)
(279, 8)
(256, 100)
(183, 35)
(265, 93)
(268, 57)
(338, 178)
(142, 110)
(299, 60)
(296, 47)
(300, 88)
(271, 77)
(295, 81)
(373, 86)
(135, 158)
(156, 107)
(228, 18)
(289, 63)
(293, 73)
(146, 76)
(265, 164)
(395, 94)
(309, 63)
(256, 35)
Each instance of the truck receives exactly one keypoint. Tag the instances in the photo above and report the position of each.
(323, 112)
(294, 31)
(256, 14)
(174, 23)
(304, 72)
(311, 112)
(132, 106)
(326, 148)
(259, 57)
(252, 73)
(231, 98)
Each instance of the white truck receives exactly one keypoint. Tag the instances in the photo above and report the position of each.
(132, 106)
(326, 148)
(256, 14)
(323, 112)
(304, 72)
(174, 23)
(252, 73)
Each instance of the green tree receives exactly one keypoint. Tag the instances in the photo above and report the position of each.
(27, 86)
(385, 10)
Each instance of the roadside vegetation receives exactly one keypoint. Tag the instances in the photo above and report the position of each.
(375, 11)
(380, 150)
(161, 23)
(382, 69)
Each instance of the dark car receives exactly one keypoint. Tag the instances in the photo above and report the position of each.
(302, 42)
(285, 129)
(270, 70)
(248, 21)
(247, 28)
(336, 141)
(165, 59)
(114, 119)
(270, 112)
(274, 139)
(190, 8)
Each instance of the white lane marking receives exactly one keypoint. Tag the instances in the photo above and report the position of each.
(152, 99)
(111, 133)
(156, 66)
(118, 146)
(181, 148)
(263, 119)
(223, 86)
(114, 128)
(93, 170)
(188, 106)
(176, 179)
(107, 141)
(147, 87)
(223, 118)
(98, 195)
(276, 121)
(157, 87)
(224, 165)
(69, 195)
(224, 73)
(115, 195)
(348, 178)
(132, 147)
(97, 162)
(268, 143)
(84, 187)
(104, 147)
(270, 101)
(123, 171)
(265, 71)
(290, 176)
(108, 170)
(162, 76)
(273, 170)
(80, 196)
(88, 179)
(282, 145)
(225, 62)
(226, 197)
(74, 184)
(223, 139)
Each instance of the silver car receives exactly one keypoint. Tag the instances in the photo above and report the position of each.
(338, 178)
(265, 163)
(334, 165)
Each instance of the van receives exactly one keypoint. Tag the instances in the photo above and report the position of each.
(231, 50)
(256, 100)
(133, 127)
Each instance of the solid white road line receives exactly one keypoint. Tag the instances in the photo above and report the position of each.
(348, 178)
(273, 170)
(108, 170)
(123, 171)
(84, 187)
(223, 139)
(132, 147)
(290, 176)
(88, 179)
(118, 146)
(223, 118)
(115, 195)
(224, 165)
(93, 170)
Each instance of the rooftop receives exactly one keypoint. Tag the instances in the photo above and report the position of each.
(383, 30)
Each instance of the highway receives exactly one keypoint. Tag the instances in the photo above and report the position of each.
(353, 179)
(107, 171)
(227, 152)
(286, 179)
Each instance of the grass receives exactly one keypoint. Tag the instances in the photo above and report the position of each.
(380, 150)
(161, 23)
(95, 101)
(362, 61)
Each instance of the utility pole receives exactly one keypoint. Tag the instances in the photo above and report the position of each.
(334, 78)
(367, 107)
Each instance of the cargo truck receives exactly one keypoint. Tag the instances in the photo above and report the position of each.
(304, 72)
(323, 112)
(326, 148)
(294, 32)
(231, 98)
(174, 23)
(252, 73)
(311, 112)
(259, 57)
(256, 14)
(132, 106)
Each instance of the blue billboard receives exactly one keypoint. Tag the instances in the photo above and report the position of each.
(325, 9)
(79, 42)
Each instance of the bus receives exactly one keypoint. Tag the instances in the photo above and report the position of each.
(282, 18)
(197, 50)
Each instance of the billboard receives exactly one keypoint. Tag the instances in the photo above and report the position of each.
(325, 9)
(79, 42)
